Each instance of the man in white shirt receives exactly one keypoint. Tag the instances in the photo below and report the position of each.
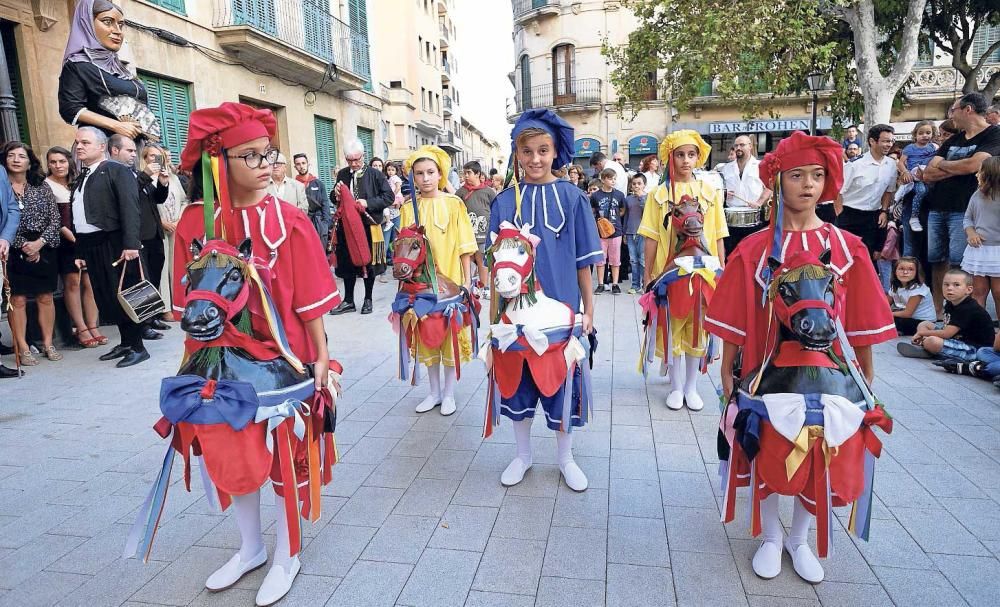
(284, 187)
(744, 189)
(869, 183)
(600, 161)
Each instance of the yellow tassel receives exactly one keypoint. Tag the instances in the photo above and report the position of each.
(378, 245)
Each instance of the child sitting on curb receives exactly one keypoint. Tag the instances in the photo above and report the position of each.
(966, 327)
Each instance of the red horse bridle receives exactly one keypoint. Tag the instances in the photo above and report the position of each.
(524, 270)
(414, 264)
(678, 222)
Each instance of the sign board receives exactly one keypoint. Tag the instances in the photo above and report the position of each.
(759, 126)
(642, 144)
(586, 147)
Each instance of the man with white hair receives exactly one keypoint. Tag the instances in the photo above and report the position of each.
(993, 114)
(284, 187)
(372, 192)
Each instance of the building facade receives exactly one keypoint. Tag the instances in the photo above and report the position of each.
(414, 58)
(307, 60)
(558, 64)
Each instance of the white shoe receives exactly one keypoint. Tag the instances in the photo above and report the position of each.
(805, 562)
(278, 582)
(675, 400)
(693, 401)
(915, 225)
(514, 473)
(232, 571)
(767, 560)
(448, 405)
(430, 401)
(574, 477)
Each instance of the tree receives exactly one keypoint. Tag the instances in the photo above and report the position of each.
(952, 25)
(752, 46)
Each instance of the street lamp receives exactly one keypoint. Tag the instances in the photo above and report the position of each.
(815, 83)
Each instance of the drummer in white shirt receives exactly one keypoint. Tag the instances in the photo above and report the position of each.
(744, 191)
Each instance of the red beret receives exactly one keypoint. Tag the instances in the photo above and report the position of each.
(228, 125)
(801, 150)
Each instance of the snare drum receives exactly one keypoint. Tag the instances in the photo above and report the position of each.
(743, 217)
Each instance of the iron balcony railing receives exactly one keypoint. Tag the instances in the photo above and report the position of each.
(568, 92)
(303, 24)
(525, 6)
(448, 104)
(447, 137)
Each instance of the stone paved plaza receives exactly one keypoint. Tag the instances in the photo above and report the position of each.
(416, 514)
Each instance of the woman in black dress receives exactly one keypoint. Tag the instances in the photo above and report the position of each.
(95, 87)
(34, 263)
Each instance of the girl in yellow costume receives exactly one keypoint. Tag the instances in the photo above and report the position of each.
(683, 152)
(452, 243)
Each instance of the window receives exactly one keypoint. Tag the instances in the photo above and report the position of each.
(423, 99)
(175, 5)
(420, 47)
(525, 83)
(316, 26)
(358, 13)
(986, 35)
(258, 14)
(367, 137)
(326, 149)
(562, 73)
(16, 84)
(170, 100)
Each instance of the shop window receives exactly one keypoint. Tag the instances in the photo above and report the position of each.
(171, 101)
(326, 149)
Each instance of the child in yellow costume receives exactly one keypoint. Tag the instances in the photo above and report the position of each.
(452, 244)
(682, 152)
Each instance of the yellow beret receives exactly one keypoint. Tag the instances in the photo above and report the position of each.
(684, 137)
(431, 152)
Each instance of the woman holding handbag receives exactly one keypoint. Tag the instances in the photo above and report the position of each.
(33, 264)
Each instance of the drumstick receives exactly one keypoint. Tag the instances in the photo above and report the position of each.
(753, 204)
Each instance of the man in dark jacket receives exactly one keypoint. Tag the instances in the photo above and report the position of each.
(319, 204)
(105, 206)
(372, 191)
(151, 194)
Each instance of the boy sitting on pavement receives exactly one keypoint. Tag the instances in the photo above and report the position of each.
(985, 366)
(966, 327)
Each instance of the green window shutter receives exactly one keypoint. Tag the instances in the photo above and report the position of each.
(255, 13)
(326, 149)
(16, 84)
(170, 100)
(985, 36)
(367, 137)
(175, 5)
(317, 23)
(358, 12)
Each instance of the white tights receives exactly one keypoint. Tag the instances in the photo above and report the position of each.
(522, 438)
(434, 381)
(771, 522)
(247, 510)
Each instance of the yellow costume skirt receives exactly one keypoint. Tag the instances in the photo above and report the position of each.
(433, 356)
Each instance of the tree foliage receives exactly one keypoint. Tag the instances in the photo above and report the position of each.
(752, 46)
(751, 49)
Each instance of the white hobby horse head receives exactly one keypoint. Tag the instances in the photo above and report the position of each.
(512, 260)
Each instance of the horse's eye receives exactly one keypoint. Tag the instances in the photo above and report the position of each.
(784, 291)
(520, 250)
(234, 275)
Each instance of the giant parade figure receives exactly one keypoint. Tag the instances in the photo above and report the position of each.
(254, 396)
(798, 308)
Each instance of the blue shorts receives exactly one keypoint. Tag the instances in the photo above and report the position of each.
(522, 405)
(958, 350)
(946, 238)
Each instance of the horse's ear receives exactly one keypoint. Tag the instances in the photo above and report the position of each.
(196, 247)
(774, 263)
(824, 257)
(246, 248)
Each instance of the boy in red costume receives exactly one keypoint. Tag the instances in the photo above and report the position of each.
(237, 140)
(809, 171)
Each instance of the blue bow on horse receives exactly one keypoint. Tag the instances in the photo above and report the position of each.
(183, 398)
(422, 304)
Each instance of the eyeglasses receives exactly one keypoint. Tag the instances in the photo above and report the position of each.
(254, 159)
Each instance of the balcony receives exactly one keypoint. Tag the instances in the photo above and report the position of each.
(526, 10)
(449, 142)
(574, 95)
(445, 71)
(943, 81)
(445, 38)
(400, 96)
(298, 39)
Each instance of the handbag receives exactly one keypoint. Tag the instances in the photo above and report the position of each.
(605, 229)
(141, 301)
